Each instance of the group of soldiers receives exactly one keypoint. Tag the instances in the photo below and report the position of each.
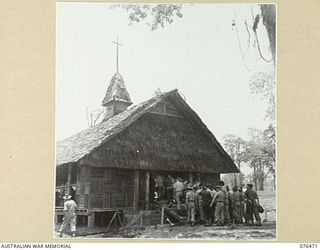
(205, 203)
(217, 204)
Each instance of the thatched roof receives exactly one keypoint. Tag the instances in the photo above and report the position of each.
(76, 147)
(81, 144)
(116, 90)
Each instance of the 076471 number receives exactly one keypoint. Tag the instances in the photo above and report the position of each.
(308, 246)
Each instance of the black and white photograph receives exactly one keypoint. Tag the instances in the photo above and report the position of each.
(165, 121)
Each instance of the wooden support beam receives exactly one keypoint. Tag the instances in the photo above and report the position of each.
(141, 221)
(147, 201)
(91, 220)
(78, 183)
(190, 178)
(198, 177)
(162, 215)
(112, 219)
(69, 179)
(136, 190)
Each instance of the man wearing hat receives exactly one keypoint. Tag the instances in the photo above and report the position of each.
(218, 200)
(191, 200)
(252, 205)
(69, 209)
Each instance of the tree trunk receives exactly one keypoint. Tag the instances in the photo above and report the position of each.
(136, 189)
(261, 186)
(255, 179)
(274, 182)
(261, 176)
(268, 12)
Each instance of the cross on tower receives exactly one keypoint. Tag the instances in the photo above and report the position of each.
(117, 43)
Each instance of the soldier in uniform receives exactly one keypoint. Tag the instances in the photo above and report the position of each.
(200, 206)
(218, 200)
(205, 197)
(227, 218)
(69, 209)
(212, 193)
(252, 205)
(236, 205)
(178, 188)
(191, 202)
(230, 198)
(242, 204)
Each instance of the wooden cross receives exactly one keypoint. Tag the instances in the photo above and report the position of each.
(117, 43)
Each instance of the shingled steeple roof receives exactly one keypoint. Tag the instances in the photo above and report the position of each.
(116, 91)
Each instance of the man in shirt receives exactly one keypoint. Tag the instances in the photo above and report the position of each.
(226, 203)
(242, 204)
(178, 188)
(235, 200)
(199, 199)
(212, 193)
(69, 209)
(252, 205)
(218, 200)
(191, 200)
(205, 198)
(230, 197)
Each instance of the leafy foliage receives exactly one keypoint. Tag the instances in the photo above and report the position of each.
(258, 152)
(263, 84)
(234, 146)
(155, 15)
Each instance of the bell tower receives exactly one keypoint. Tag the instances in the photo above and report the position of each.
(117, 98)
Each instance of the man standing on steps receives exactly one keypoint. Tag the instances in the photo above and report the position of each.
(69, 209)
(178, 188)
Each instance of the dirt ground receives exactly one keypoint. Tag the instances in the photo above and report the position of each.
(232, 232)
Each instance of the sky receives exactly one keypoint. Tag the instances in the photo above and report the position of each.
(198, 54)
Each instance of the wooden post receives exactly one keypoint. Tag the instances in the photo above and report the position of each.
(265, 216)
(136, 190)
(69, 179)
(147, 190)
(199, 177)
(91, 220)
(162, 215)
(141, 221)
(190, 178)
